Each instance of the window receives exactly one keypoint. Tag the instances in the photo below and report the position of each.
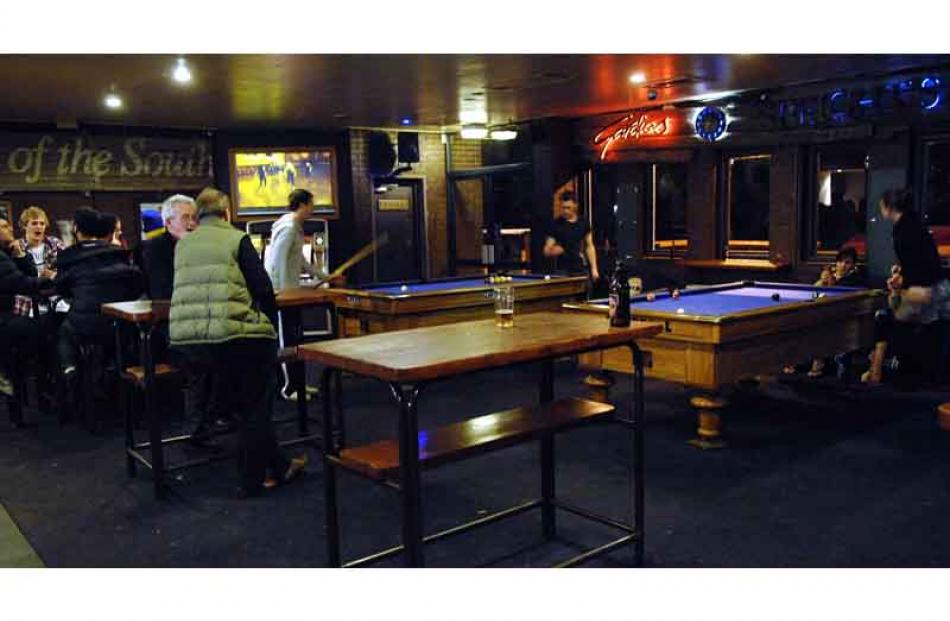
(666, 206)
(936, 204)
(840, 206)
(936, 199)
(748, 204)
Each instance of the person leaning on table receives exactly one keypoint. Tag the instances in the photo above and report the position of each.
(222, 317)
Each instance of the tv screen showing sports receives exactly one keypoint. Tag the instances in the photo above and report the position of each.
(262, 178)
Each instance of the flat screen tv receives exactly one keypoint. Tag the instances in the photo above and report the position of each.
(263, 177)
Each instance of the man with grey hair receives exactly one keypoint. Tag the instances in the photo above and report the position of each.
(156, 257)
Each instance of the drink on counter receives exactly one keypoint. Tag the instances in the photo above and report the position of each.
(504, 307)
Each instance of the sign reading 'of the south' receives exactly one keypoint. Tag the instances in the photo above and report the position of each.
(74, 161)
(632, 128)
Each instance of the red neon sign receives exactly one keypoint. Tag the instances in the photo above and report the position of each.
(632, 127)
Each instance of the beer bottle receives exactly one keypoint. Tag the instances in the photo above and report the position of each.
(619, 297)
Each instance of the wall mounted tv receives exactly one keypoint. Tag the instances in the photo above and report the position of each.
(263, 177)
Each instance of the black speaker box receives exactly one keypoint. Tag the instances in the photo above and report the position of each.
(382, 157)
(408, 143)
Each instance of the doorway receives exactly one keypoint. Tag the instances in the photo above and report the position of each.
(399, 211)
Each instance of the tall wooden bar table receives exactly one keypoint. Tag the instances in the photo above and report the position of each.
(145, 316)
(408, 360)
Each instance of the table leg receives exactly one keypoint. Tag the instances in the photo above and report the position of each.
(410, 480)
(130, 465)
(548, 489)
(637, 463)
(151, 414)
(331, 516)
(708, 432)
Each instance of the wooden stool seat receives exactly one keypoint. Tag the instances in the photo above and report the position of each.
(943, 416)
(380, 460)
(136, 374)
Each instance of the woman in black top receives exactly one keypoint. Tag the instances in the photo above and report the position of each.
(908, 328)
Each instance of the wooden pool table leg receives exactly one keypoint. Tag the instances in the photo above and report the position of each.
(707, 433)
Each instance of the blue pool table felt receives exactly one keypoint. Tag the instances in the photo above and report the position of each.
(728, 301)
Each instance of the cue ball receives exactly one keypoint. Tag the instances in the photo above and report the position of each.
(775, 297)
(547, 277)
(404, 288)
(680, 310)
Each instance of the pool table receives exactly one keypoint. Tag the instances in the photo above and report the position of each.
(716, 335)
(402, 305)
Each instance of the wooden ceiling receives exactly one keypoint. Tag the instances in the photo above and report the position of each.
(434, 91)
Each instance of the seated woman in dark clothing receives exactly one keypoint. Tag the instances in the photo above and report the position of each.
(92, 272)
(910, 329)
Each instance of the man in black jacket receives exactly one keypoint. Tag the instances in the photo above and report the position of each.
(17, 276)
(156, 257)
(92, 272)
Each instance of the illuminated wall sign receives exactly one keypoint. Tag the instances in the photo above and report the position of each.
(634, 126)
(710, 124)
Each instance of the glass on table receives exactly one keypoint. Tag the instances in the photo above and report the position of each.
(504, 307)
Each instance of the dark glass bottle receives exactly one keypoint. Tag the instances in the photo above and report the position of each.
(619, 297)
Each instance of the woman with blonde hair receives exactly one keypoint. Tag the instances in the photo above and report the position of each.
(41, 247)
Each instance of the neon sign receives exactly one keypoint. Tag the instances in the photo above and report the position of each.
(632, 127)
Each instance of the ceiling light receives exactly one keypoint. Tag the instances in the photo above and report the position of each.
(474, 132)
(637, 78)
(406, 121)
(503, 134)
(113, 101)
(181, 74)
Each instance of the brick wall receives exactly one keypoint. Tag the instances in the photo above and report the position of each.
(430, 168)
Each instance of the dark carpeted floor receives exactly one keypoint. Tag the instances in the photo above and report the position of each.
(814, 476)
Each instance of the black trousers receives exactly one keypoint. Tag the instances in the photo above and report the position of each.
(206, 399)
(20, 333)
(918, 347)
(245, 370)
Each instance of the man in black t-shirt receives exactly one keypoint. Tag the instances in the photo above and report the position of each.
(570, 242)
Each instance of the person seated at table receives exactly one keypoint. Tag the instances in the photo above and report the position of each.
(17, 277)
(41, 248)
(222, 317)
(844, 272)
(91, 272)
(918, 300)
(156, 256)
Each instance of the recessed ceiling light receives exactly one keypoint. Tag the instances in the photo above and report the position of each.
(637, 78)
(406, 121)
(181, 74)
(112, 101)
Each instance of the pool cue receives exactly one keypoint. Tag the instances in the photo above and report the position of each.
(361, 254)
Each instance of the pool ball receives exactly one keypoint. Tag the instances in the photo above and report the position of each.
(775, 297)
(680, 310)
(547, 277)
(676, 294)
(651, 297)
(404, 288)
